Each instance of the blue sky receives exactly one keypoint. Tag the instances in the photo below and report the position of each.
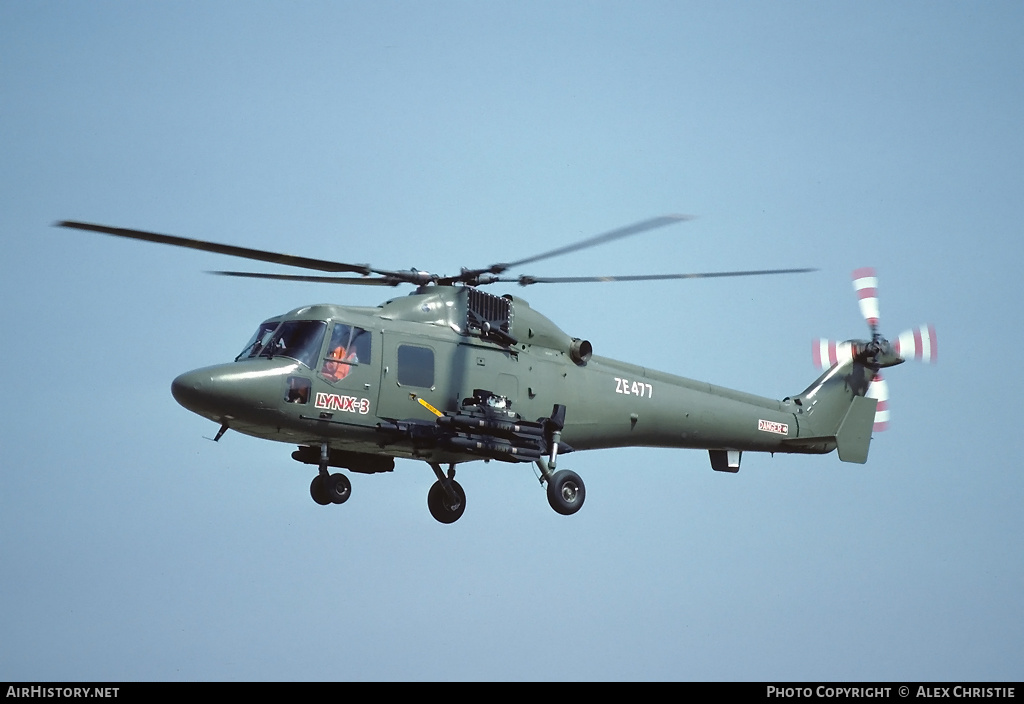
(440, 135)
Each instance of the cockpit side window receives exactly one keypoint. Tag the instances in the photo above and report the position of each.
(349, 346)
(258, 341)
(298, 339)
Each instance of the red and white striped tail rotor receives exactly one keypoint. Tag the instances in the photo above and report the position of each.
(827, 353)
(879, 391)
(919, 343)
(865, 283)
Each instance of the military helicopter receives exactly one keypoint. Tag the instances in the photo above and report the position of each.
(452, 374)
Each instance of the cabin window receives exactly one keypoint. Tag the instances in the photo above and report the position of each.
(415, 366)
(298, 339)
(349, 346)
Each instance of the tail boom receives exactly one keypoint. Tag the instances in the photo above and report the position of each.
(684, 413)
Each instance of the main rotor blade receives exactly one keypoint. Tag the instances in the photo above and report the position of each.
(384, 281)
(619, 233)
(231, 250)
(526, 280)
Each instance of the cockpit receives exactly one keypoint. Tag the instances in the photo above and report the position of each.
(303, 341)
(349, 346)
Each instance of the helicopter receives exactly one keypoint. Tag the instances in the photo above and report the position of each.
(451, 374)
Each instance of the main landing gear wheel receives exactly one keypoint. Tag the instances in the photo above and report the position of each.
(441, 506)
(338, 488)
(566, 492)
(318, 492)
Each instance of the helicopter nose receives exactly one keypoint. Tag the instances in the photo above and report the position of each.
(193, 390)
(236, 389)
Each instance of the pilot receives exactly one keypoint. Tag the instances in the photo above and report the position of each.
(337, 365)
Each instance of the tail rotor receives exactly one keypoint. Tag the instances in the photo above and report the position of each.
(918, 343)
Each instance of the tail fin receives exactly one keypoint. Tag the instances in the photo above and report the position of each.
(834, 410)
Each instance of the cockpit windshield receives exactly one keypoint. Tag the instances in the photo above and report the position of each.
(258, 341)
(298, 339)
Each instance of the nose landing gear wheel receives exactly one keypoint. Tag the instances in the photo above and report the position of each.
(318, 492)
(441, 507)
(566, 492)
(338, 488)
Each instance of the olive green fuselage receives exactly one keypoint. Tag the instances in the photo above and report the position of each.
(419, 356)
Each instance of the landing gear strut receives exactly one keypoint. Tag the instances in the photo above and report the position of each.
(446, 499)
(329, 488)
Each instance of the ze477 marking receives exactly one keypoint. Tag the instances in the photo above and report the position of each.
(633, 388)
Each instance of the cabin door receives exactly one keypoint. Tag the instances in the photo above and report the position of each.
(413, 368)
